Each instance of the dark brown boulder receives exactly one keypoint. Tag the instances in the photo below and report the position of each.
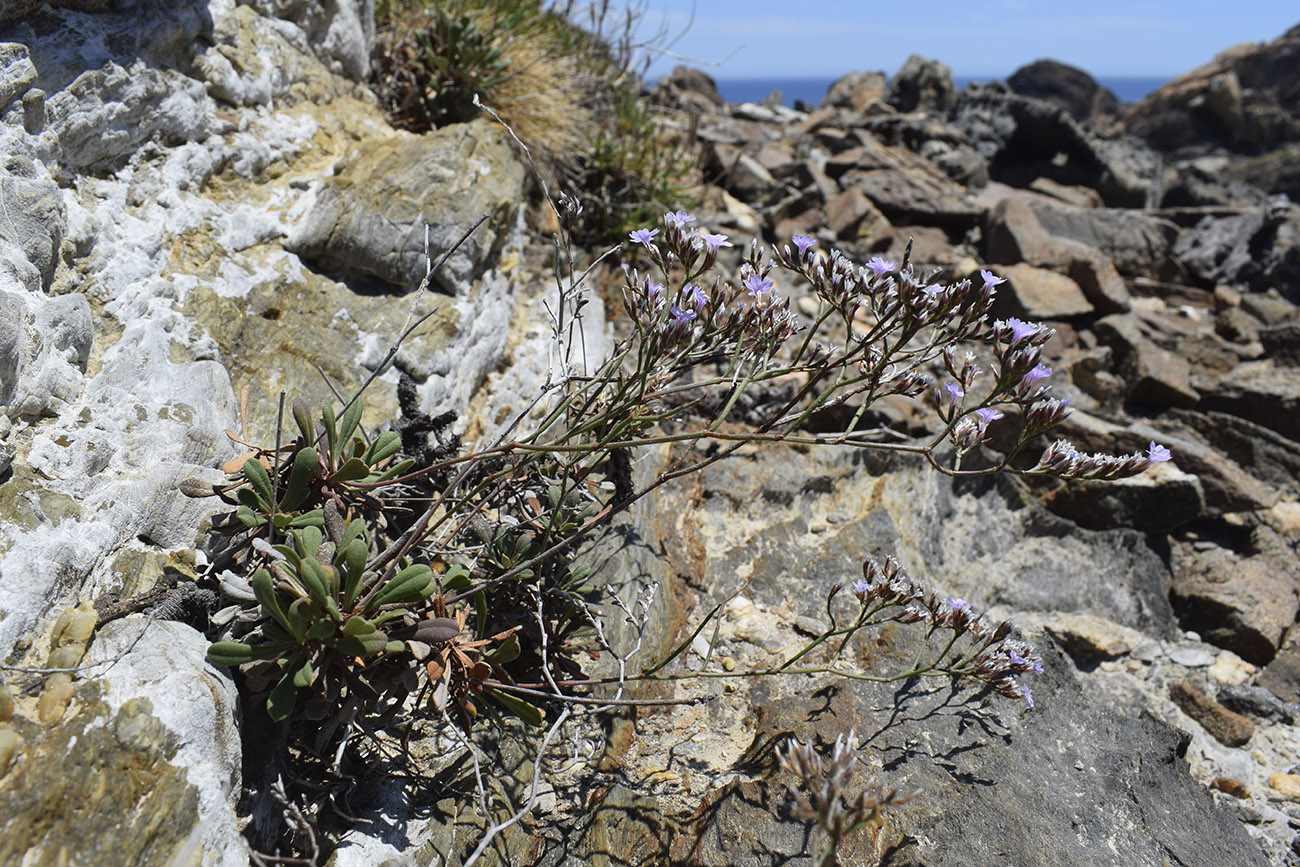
(1067, 86)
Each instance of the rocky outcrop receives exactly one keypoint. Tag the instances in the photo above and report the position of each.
(1242, 101)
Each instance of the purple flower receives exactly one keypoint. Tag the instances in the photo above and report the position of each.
(860, 588)
(1029, 698)
(1021, 330)
(695, 295)
(1157, 454)
(991, 280)
(713, 242)
(1038, 667)
(1016, 659)
(1040, 371)
(952, 392)
(803, 242)
(643, 236)
(757, 285)
(879, 266)
(682, 316)
(987, 415)
(653, 289)
(957, 604)
(678, 218)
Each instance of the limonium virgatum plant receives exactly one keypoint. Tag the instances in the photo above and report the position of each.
(373, 582)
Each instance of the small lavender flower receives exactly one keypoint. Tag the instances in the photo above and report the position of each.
(713, 242)
(682, 316)
(1041, 371)
(1029, 697)
(653, 289)
(987, 415)
(678, 218)
(804, 243)
(951, 394)
(757, 285)
(990, 279)
(695, 295)
(643, 236)
(1157, 454)
(880, 266)
(957, 604)
(1021, 330)
(860, 588)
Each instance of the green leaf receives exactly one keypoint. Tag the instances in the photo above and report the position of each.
(260, 480)
(395, 646)
(331, 430)
(520, 708)
(321, 630)
(348, 424)
(302, 418)
(305, 675)
(456, 578)
(385, 446)
(351, 471)
(356, 529)
(410, 585)
(313, 578)
(314, 518)
(231, 653)
(352, 562)
(356, 626)
(279, 704)
(249, 498)
(248, 517)
(299, 619)
(505, 652)
(364, 645)
(480, 614)
(309, 540)
(305, 464)
(264, 590)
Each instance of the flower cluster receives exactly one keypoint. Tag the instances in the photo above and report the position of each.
(1063, 460)
(822, 795)
(992, 654)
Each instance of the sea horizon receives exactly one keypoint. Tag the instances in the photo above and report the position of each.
(811, 89)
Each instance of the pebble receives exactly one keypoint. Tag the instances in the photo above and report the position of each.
(1229, 786)
(1229, 668)
(1192, 657)
(1286, 785)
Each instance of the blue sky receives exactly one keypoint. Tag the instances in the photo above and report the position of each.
(769, 39)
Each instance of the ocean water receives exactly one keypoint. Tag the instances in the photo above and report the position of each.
(811, 90)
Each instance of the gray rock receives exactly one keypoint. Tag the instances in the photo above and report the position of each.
(1255, 250)
(1259, 392)
(855, 90)
(1242, 603)
(1024, 139)
(369, 219)
(200, 707)
(44, 344)
(34, 215)
(1069, 87)
(1258, 702)
(1137, 244)
(1039, 294)
(17, 72)
(922, 85)
(906, 188)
